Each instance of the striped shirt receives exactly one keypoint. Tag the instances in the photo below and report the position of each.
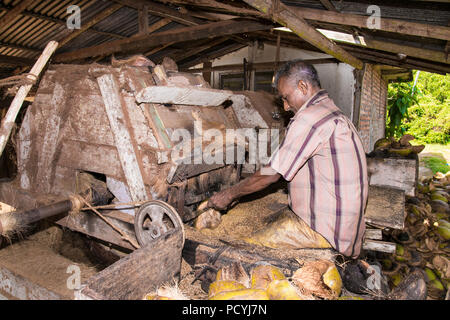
(323, 159)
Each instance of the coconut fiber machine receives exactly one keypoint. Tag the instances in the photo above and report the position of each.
(129, 135)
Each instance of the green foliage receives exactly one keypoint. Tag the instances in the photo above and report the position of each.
(427, 114)
(401, 96)
(436, 164)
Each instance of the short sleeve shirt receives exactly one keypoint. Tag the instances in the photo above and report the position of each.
(323, 159)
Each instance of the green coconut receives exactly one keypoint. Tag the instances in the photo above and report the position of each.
(444, 232)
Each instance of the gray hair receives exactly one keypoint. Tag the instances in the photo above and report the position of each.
(297, 70)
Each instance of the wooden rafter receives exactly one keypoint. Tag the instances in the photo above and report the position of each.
(198, 49)
(283, 15)
(142, 43)
(62, 22)
(93, 21)
(12, 15)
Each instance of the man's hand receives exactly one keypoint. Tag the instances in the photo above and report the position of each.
(256, 182)
(221, 200)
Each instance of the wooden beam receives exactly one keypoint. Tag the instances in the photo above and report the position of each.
(255, 66)
(386, 24)
(11, 16)
(286, 17)
(8, 121)
(93, 21)
(15, 61)
(427, 54)
(141, 43)
(143, 20)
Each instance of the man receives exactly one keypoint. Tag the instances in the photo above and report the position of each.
(323, 160)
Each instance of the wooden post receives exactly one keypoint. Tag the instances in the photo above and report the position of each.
(207, 74)
(14, 108)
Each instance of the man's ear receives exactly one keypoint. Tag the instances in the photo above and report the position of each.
(303, 87)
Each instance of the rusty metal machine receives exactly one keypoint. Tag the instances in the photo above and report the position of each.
(140, 130)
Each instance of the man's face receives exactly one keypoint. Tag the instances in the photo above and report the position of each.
(293, 95)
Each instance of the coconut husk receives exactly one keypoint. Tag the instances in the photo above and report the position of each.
(234, 272)
(404, 140)
(263, 275)
(167, 292)
(309, 278)
(209, 219)
(284, 290)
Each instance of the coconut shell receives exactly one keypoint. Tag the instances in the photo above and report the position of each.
(224, 286)
(245, 294)
(283, 290)
(263, 275)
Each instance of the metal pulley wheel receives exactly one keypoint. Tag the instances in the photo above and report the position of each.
(155, 219)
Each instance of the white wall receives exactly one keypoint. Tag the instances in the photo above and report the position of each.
(336, 78)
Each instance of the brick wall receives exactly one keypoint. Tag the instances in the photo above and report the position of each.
(372, 113)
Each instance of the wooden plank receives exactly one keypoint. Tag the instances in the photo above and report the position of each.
(8, 121)
(398, 173)
(90, 224)
(12, 15)
(373, 234)
(120, 126)
(141, 272)
(386, 24)
(386, 207)
(158, 25)
(183, 95)
(90, 157)
(141, 43)
(88, 24)
(381, 246)
(51, 126)
(286, 17)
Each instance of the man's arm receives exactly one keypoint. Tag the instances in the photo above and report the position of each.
(254, 183)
